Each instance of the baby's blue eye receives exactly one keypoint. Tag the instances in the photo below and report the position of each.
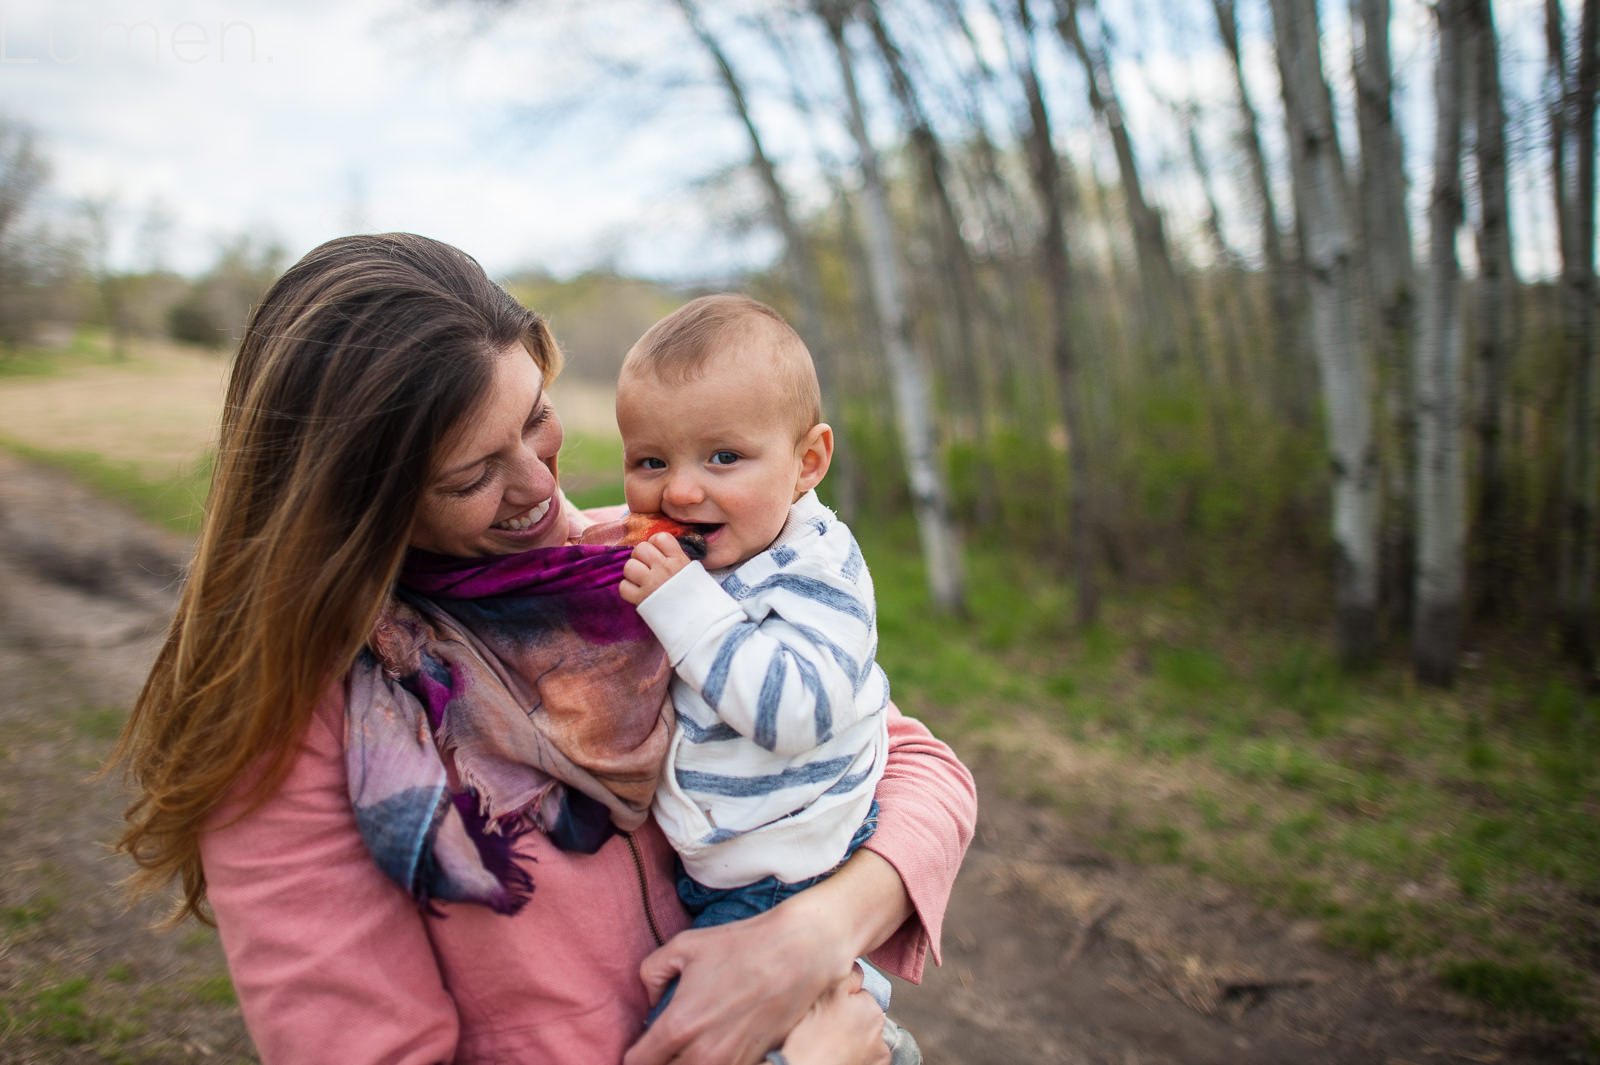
(723, 458)
(653, 464)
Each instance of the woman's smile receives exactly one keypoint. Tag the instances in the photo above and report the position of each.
(527, 519)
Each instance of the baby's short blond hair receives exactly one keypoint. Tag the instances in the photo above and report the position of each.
(678, 347)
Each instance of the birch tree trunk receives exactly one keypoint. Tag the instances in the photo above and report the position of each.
(109, 285)
(1045, 170)
(1388, 285)
(1574, 155)
(799, 264)
(1322, 198)
(941, 548)
(796, 256)
(1386, 226)
(955, 261)
(1495, 306)
(1284, 320)
(1227, 296)
(1158, 280)
(1441, 469)
(1006, 276)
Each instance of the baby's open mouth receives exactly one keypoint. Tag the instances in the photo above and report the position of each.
(526, 520)
(693, 539)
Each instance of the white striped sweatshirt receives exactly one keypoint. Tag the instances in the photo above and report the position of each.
(781, 735)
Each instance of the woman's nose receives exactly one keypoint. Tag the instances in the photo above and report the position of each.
(530, 476)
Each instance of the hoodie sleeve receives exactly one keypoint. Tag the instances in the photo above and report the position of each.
(928, 809)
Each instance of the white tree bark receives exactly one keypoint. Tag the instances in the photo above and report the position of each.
(799, 262)
(1387, 228)
(1158, 278)
(968, 354)
(1388, 285)
(941, 546)
(1437, 380)
(802, 271)
(1286, 321)
(1322, 198)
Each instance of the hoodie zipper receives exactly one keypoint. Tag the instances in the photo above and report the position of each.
(644, 887)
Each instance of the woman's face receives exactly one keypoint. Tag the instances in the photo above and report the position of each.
(493, 490)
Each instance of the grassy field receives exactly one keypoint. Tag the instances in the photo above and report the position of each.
(1452, 833)
(1458, 832)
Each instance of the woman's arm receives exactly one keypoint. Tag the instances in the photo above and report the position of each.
(745, 985)
(330, 960)
(928, 811)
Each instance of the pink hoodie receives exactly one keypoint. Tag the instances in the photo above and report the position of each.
(333, 963)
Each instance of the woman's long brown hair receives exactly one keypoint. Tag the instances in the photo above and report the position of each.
(357, 365)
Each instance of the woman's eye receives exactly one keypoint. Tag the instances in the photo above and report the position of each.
(724, 458)
(475, 486)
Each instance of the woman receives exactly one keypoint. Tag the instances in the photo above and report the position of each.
(387, 396)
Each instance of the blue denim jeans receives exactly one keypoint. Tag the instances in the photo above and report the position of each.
(713, 906)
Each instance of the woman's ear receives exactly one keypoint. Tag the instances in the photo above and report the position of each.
(815, 452)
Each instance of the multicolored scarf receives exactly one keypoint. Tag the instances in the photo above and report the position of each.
(499, 696)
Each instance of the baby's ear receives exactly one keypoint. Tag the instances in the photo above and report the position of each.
(815, 452)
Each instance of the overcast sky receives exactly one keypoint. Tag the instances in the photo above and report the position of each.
(304, 119)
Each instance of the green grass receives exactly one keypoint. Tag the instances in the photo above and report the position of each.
(216, 990)
(58, 1010)
(1525, 987)
(1457, 831)
(79, 1011)
(89, 347)
(29, 914)
(172, 502)
(591, 469)
(100, 723)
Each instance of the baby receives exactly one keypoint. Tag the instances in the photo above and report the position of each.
(781, 734)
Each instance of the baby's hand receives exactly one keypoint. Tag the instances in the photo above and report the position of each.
(653, 563)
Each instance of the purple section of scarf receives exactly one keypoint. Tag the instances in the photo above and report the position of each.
(472, 717)
(583, 576)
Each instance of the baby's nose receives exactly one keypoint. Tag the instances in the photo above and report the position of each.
(682, 489)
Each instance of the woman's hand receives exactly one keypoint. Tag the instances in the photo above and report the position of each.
(845, 1027)
(744, 986)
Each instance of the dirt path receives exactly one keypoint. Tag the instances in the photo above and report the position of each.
(86, 589)
(1053, 951)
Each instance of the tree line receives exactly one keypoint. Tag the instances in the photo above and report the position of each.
(57, 267)
(1118, 309)
(1232, 292)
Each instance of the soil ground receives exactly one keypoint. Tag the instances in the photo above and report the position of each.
(1053, 951)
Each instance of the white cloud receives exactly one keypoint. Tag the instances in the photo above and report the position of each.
(298, 118)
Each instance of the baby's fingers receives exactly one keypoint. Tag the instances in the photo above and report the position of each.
(667, 545)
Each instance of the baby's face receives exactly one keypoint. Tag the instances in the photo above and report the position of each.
(719, 450)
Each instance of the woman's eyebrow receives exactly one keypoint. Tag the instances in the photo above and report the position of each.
(464, 467)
